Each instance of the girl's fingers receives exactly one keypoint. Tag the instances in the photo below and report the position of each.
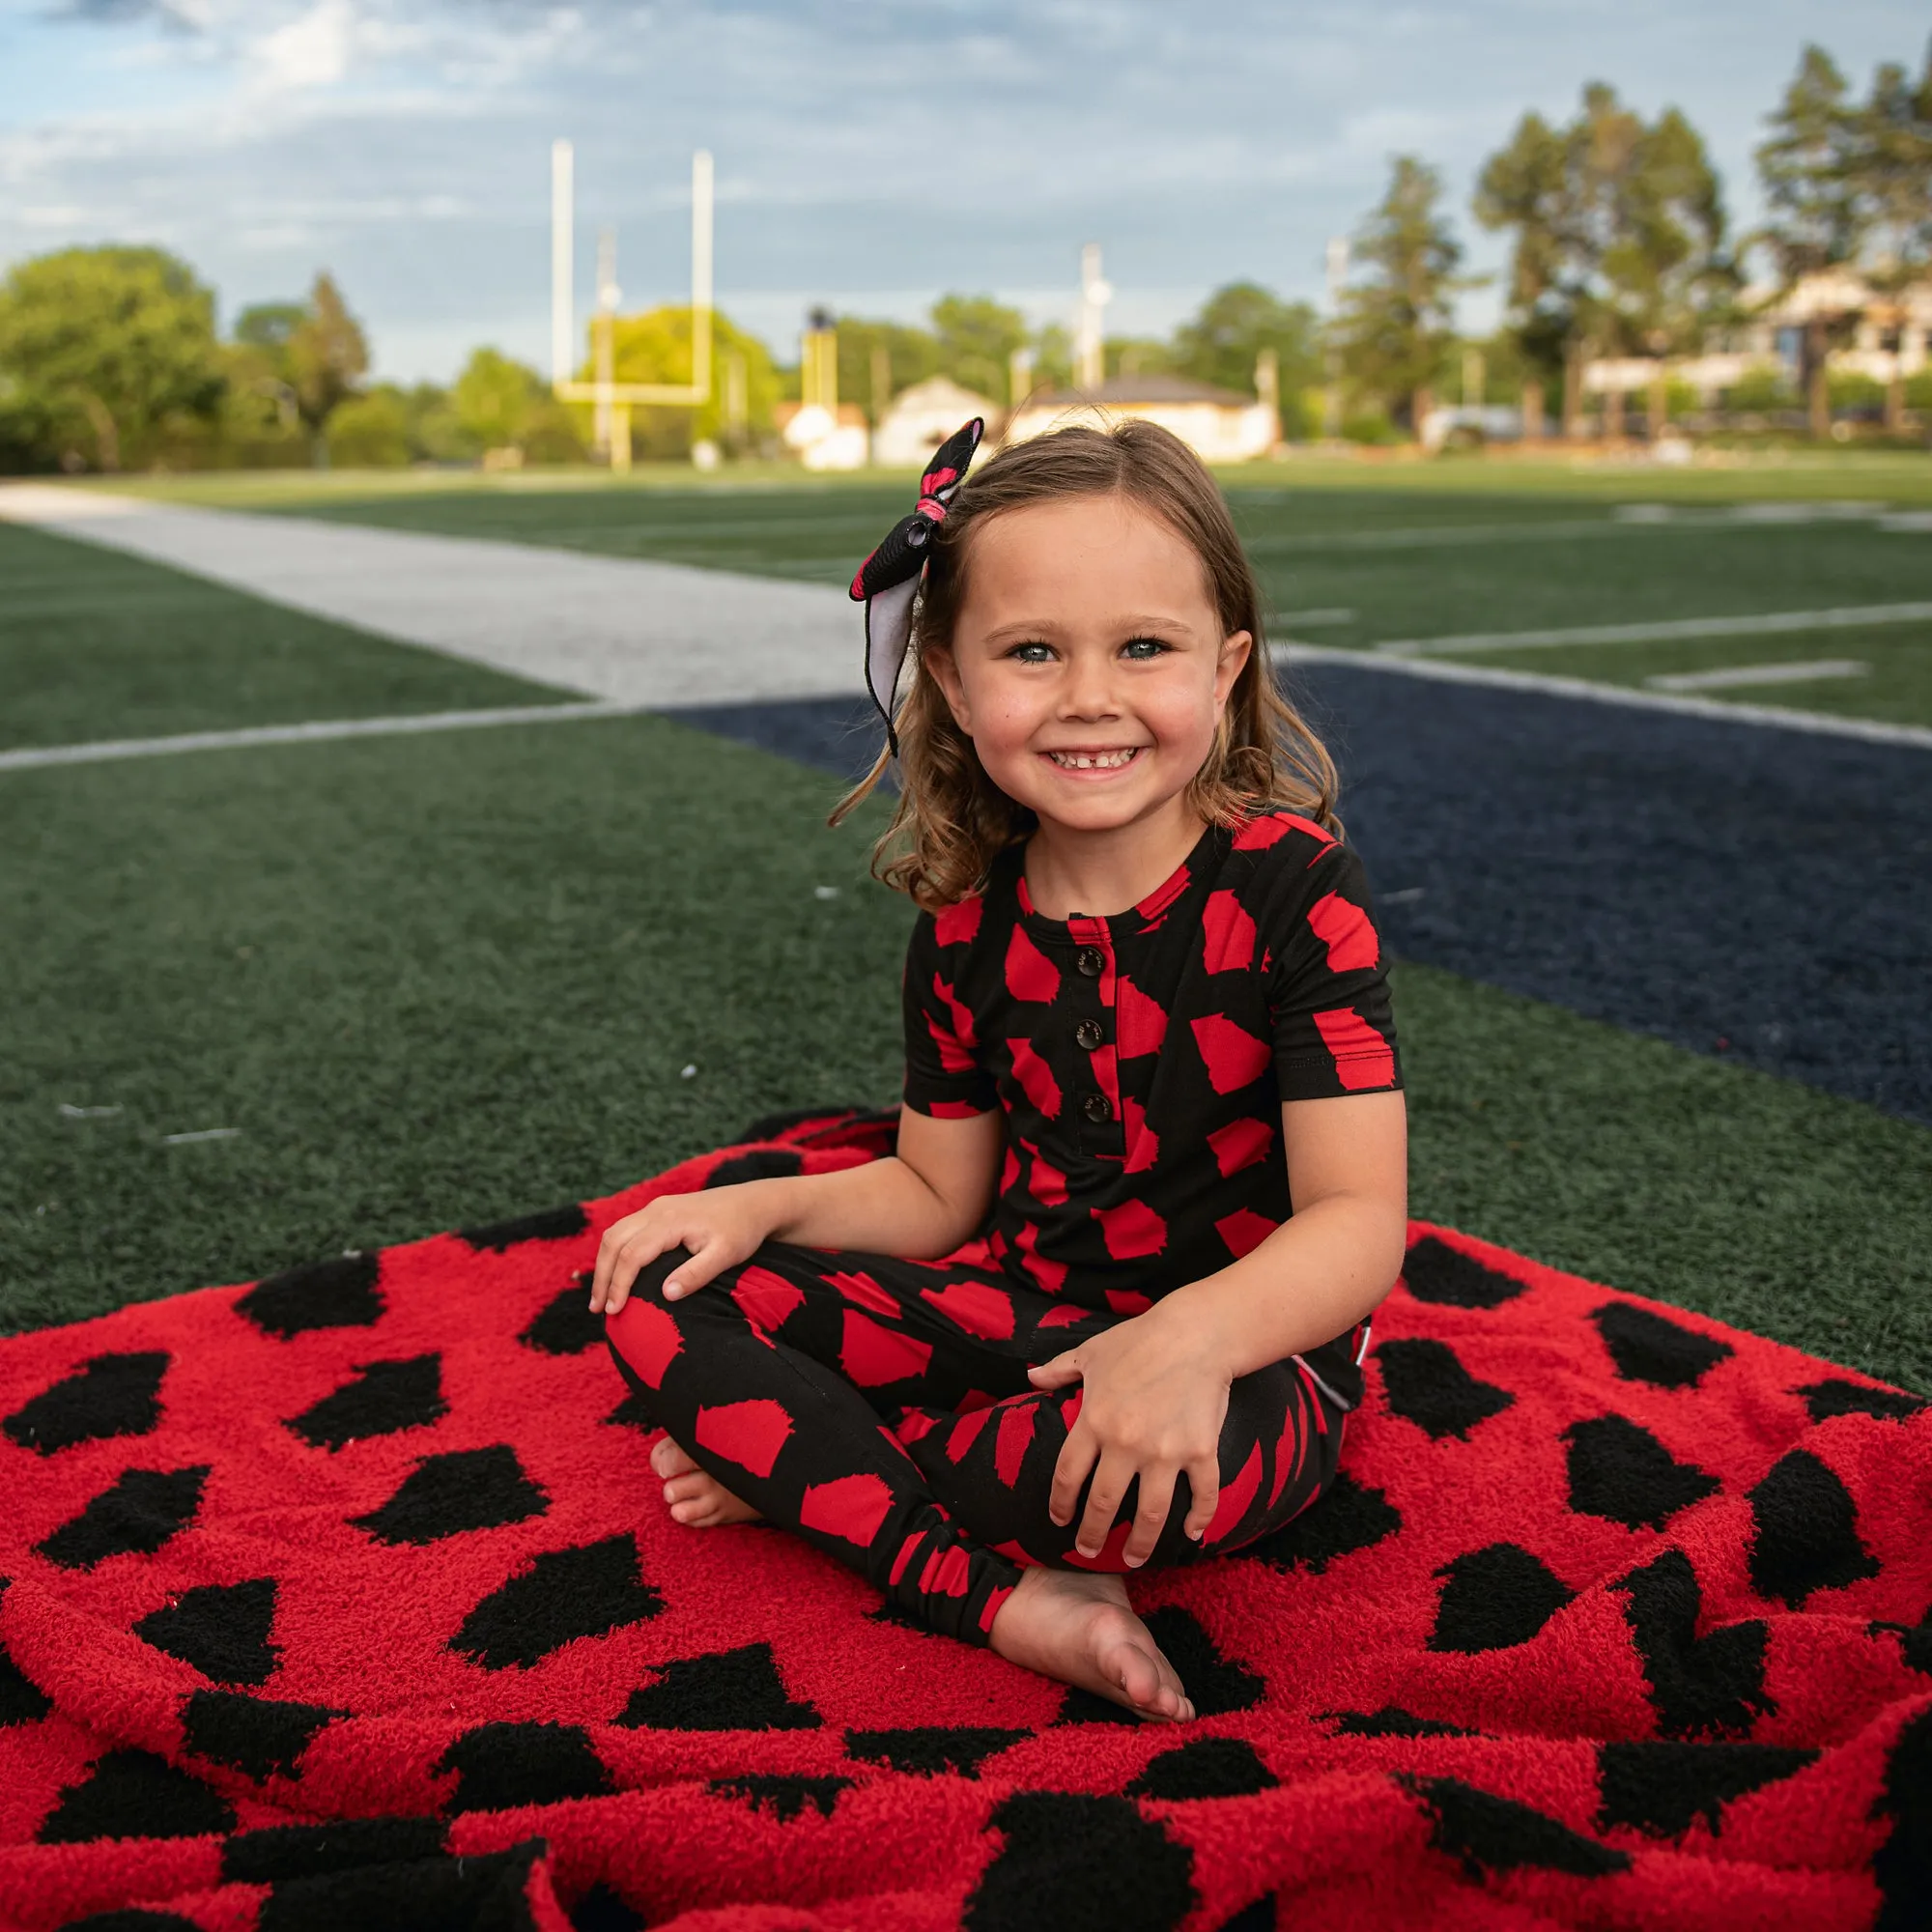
(710, 1256)
(1076, 1457)
(1104, 1503)
(1204, 1479)
(1058, 1372)
(636, 1255)
(1150, 1518)
(610, 1254)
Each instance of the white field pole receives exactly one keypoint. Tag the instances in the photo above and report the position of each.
(562, 219)
(700, 272)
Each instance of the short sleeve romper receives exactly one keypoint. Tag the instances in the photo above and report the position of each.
(1140, 1062)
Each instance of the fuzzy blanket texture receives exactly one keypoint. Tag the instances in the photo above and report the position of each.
(347, 1598)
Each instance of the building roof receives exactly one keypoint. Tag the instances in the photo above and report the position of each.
(1126, 389)
(941, 392)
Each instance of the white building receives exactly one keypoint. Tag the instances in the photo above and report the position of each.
(1218, 425)
(921, 417)
(1889, 332)
(833, 438)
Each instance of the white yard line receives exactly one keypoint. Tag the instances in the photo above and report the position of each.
(1742, 677)
(611, 628)
(1848, 617)
(102, 750)
(1822, 722)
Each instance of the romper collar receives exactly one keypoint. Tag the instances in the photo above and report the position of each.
(1138, 918)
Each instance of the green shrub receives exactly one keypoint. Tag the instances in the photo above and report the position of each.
(370, 432)
(1370, 426)
(1765, 387)
(1850, 391)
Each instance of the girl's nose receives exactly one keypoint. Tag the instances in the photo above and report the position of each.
(1088, 690)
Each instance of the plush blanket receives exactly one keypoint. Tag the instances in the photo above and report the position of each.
(346, 1599)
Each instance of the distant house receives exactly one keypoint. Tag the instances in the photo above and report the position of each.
(825, 438)
(1888, 332)
(1218, 425)
(921, 417)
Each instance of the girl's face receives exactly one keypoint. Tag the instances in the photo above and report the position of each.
(1089, 665)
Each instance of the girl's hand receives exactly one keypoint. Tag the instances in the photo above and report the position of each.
(722, 1227)
(1152, 1405)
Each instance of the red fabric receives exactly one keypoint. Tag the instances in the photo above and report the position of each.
(1619, 1618)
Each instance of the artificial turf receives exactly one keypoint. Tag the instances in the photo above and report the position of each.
(1895, 687)
(96, 645)
(441, 980)
(1345, 567)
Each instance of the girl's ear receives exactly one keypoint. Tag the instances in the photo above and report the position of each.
(1236, 648)
(939, 665)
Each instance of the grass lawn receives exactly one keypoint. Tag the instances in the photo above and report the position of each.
(1769, 476)
(95, 644)
(448, 978)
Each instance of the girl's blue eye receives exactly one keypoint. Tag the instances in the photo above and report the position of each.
(1141, 649)
(1032, 654)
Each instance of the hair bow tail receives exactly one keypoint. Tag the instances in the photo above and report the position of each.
(888, 635)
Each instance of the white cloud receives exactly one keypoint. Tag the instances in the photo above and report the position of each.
(311, 51)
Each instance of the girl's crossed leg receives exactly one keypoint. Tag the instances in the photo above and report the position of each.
(881, 1409)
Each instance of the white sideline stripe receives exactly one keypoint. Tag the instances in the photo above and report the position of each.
(103, 751)
(619, 629)
(1737, 677)
(1848, 617)
(1821, 722)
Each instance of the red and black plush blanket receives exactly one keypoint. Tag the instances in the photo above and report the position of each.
(347, 1598)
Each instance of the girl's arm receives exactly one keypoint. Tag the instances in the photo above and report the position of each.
(1318, 1274)
(1155, 1388)
(921, 1203)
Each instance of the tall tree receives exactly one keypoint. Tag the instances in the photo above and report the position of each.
(1816, 190)
(656, 347)
(877, 359)
(1224, 342)
(119, 339)
(1894, 166)
(327, 357)
(977, 339)
(1619, 238)
(1395, 325)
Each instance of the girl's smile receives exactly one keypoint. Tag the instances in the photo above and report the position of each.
(1097, 764)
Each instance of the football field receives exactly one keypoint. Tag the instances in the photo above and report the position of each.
(270, 1001)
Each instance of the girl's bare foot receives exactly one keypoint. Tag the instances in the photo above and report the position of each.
(696, 1500)
(1078, 1626)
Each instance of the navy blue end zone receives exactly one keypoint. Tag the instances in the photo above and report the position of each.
(1757, 893)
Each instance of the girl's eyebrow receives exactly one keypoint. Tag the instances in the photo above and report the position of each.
(1130, 626)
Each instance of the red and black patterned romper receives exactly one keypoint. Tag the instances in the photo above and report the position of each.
(880, 1406)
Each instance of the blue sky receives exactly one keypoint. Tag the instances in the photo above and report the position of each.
(868, 156)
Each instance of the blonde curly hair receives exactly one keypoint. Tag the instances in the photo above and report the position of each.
(951, 820)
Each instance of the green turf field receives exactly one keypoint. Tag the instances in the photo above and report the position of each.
(94, 645)
(440, 979)
(1353, 555)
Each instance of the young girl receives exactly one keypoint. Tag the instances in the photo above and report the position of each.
(1105, 1308)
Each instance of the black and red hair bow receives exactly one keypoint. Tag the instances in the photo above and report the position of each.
(887, 580)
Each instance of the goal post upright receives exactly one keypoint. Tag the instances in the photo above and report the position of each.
(619, 398)
(563, 267)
